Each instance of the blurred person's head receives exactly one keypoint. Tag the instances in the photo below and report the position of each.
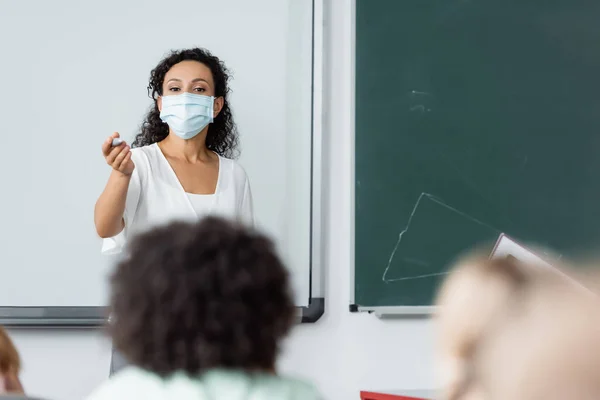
(474, 292)
(10, 365)
(196, 296)
(509, 330)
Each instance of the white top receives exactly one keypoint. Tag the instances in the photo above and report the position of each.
(134, 383)
(155, 196)
(202, 203)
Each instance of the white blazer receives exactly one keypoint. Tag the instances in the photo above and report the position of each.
(155, 196)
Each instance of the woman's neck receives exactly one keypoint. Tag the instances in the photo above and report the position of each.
(190, 150)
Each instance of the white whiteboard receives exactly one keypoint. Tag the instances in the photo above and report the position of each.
(74, 72)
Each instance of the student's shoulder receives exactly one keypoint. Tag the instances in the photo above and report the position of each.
(262, 386)
(302, 389)
(289, 388)
(127, 384)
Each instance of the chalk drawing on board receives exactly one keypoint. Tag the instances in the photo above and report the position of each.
(463, 176)
(420, 102)
(419, 262)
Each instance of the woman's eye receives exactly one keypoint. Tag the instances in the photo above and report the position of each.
(174, 89)
(200, 90)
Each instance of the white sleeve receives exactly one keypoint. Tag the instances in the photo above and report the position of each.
(246, 212)
(115, 244)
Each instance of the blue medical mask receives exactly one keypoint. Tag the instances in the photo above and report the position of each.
(187, 114)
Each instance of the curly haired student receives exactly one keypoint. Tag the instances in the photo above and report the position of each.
(199, 311)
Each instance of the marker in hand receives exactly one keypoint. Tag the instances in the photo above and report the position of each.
(118, 154)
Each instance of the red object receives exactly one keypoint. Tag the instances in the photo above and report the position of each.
(384, 396)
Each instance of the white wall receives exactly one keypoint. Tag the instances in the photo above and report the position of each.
(342, 353)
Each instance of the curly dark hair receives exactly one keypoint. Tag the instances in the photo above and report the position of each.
(190, 297)
(222, 136)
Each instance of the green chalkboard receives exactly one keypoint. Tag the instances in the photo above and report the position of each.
(473, 118)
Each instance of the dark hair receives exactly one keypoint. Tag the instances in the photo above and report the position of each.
(222, 134)
(190, 297)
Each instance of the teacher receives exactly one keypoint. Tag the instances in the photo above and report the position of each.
(181, 165)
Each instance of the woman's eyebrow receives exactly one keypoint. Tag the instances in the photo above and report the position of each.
(193, 80)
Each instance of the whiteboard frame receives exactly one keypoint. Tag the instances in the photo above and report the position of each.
(96, 316)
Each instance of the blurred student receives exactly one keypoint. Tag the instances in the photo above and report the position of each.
(199, 311)
(508, 330)
(10, 366)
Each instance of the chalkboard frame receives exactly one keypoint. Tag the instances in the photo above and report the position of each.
(383, 312)
(392, 311)
(97, 316)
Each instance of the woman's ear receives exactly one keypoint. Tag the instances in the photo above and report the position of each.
(159, 103)
(218, 106)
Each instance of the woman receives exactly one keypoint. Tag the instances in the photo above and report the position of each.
(181, 166)
(204, 324)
